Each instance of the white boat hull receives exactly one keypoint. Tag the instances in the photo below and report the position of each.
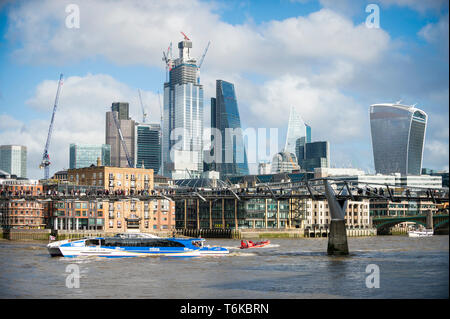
(421, 233)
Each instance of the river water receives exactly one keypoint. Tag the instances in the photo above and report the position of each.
(287, 269)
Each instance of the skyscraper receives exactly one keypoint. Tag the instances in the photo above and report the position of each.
(296, 130)
(127, 126)
(85, 155)
(225, 118)
(314, 155)
(398, 137)
(183, 117)
(13, 160)
(148, 146)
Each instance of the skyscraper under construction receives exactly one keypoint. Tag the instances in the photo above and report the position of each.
(182, 154)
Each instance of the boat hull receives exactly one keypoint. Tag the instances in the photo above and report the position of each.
(426, 233)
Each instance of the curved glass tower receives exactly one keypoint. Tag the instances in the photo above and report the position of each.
(225, 117)
(398, 138)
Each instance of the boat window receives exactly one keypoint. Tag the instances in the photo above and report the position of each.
(141, 242)
(92, 242)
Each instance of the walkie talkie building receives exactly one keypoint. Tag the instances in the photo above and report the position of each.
(398, 138)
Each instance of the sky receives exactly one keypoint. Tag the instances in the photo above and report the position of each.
(323, 57)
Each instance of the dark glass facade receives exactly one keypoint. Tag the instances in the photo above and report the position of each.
(313, 155)
(225, 116)
(148, 146)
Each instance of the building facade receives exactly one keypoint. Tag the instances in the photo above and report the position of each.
(316, 214)
(398, 138)
(127, 126)
(114, 179)
(313, 155)
(85, 155)
(22, 214)
(148, 146)
(182, 132)
(13, 160)
(232, 160)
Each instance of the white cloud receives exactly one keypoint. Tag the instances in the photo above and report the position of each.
(80, 116)
(136, 32)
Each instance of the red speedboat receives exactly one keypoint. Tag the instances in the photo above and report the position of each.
(249, 244)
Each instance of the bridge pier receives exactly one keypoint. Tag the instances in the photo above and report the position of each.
(429, 219)
(337, 238)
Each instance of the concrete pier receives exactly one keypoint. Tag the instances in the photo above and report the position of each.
(337, 238)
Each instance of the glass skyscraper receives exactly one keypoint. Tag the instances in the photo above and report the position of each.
(225, 118)
(296, 130)
(148, 146)
(313, 155)
(85, 155)
(398, 138)
(183, 117)
(13, 160)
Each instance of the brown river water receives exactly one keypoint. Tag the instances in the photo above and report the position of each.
(286, 269)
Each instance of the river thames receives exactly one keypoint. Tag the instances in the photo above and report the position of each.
(286, 269)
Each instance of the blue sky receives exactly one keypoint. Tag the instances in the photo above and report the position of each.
(317, 55)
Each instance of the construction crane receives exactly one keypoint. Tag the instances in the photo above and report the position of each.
(160, 109)
(168, 60)
(201, 61)
(203, 56)
(144, 115)
(124, 145)
(46, 158)
(185, 36)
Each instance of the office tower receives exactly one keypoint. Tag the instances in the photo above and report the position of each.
(127, 126)
(183, 117)
(284, 162)
(313, 155)
(398, 136)
(13, 160)
(85, 155)
(308, 133)
(296, 130)
(225, 118)
(148, 146)
(122, 109)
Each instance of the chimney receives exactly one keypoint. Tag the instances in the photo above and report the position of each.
(99, 161)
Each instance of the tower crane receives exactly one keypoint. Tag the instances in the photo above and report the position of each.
(160, 109)
(185, 36)
(201, 61)
(45, 157)
(122, 141)
(144, 115)
(203, 56)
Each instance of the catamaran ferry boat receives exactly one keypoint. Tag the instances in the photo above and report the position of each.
(133, 245)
